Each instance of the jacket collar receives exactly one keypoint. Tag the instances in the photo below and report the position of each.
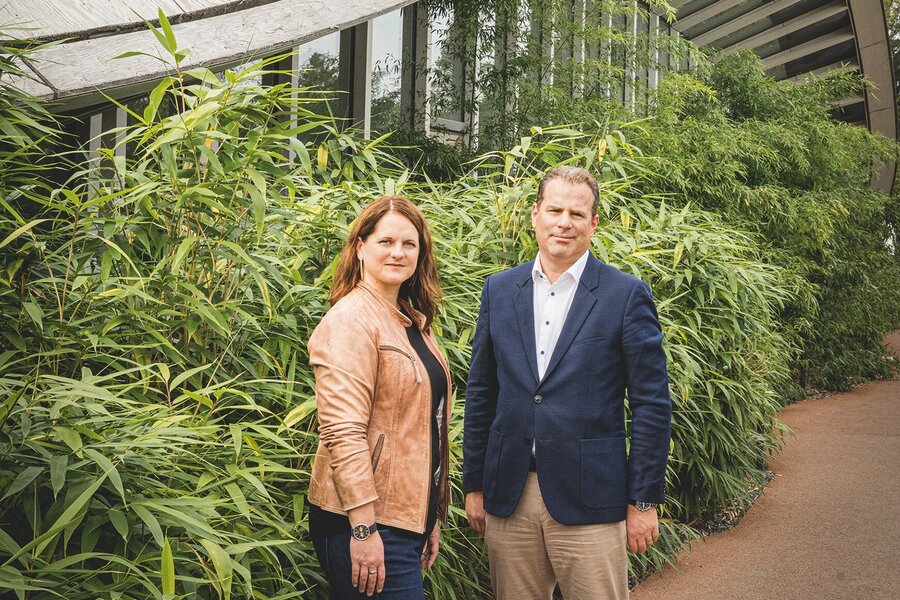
(399, 315)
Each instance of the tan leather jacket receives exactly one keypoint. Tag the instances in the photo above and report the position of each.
(374, 407)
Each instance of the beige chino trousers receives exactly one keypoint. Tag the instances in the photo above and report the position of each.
(530, 552)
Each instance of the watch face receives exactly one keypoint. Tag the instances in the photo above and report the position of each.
(360, 532)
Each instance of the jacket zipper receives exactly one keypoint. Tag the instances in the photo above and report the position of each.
(407, 355)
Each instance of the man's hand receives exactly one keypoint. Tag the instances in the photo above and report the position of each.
(475, 510)
(642, 528)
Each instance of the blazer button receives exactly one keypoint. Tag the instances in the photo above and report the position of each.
(538, 399)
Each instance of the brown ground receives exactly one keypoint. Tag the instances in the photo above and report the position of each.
(828, 525)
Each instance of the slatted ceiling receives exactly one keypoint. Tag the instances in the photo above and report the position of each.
(703, 15)
(727, 11)
(795, 37)
(685, 8)
(849, 101)
(841, 52)
(851, 113)
(819, 30)
(812, 47)
(739, 24)
(850, 65)
(797, 24)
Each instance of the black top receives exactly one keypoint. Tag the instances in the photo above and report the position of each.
(325, 523)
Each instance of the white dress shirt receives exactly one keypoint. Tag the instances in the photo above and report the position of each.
(551, 307)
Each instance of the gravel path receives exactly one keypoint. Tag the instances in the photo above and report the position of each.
(826, 528)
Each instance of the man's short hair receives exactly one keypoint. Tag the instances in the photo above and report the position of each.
(571, 175)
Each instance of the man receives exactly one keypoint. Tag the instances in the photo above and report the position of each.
(549, 477)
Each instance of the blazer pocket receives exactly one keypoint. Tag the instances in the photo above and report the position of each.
(603, 472)
(588, 340)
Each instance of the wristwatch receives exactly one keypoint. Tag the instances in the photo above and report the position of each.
(641, 505)
(362, 531)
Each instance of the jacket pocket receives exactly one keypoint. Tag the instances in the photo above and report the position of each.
(376, 452)
(412, 359)
(588, 340)
(603, 472)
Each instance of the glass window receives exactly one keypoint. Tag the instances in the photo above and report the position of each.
(387, 52)
(319, 62)
(445, 70)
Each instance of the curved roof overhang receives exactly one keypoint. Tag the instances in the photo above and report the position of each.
(798, 37)
(218, 33)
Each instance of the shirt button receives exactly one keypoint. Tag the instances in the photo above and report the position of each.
(542, 352)
(552, 293)
(538, 399)
(547, 323)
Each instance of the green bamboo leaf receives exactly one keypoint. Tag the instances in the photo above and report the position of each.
(181, 377)
(183, 248)
(8, 544)
(299, 413)
(149, 520)
(26, 227)
(22, 480)
(35, 313)
(237, 436)
(190, 522)
(58, 468)
(222, 563)
(167, 569)
(69, 515)
(298, 502)
(251, 478)
(169, 43)
(119, 521)
(240, 500)
(109, 470)
(70, 437)
(155, 99)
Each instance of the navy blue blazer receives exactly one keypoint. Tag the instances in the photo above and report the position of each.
(611, 341)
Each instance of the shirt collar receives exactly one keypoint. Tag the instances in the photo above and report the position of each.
(577, 268)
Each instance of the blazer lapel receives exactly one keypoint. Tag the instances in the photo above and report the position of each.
(525, 309)
(582, 305)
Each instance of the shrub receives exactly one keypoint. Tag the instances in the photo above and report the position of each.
(768, 157)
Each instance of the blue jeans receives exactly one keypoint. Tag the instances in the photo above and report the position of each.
(403, 574)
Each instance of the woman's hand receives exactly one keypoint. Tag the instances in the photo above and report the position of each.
(430, 552)
(367, 564)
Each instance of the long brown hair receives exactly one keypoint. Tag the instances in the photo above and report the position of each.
(423, 290)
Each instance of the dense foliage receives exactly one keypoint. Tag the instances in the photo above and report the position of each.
(157, 408)
(768, 157)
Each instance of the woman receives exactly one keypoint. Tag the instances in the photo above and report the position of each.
(379, 482)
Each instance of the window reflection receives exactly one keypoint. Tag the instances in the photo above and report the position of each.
(445, 70)
(319, 62)
(387, 36)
